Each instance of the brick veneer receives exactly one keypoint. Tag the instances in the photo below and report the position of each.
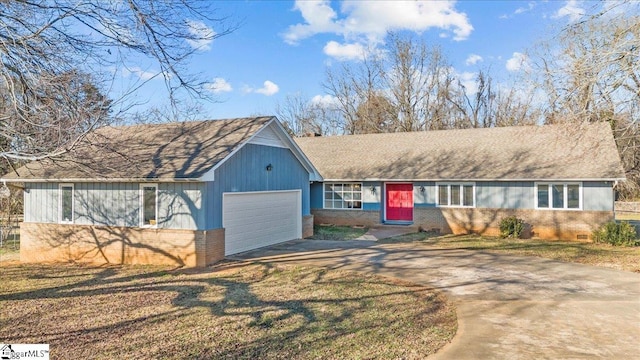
(307, 226)
(119, 245)
(346, 217)
(552, 224)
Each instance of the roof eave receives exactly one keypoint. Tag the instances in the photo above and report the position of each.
(476, 179)
(105, 180)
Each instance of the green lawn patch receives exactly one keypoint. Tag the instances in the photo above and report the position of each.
(233, 311)
(617, 257)
(334, 232)
(10, 249)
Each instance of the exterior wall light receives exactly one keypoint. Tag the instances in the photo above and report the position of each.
(269, 167)
(421, 188)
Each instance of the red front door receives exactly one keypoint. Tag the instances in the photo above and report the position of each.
(399, 202)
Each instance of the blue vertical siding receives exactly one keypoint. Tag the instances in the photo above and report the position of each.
(372, 194)
(597, 196)
(316, 195)
(505, 194)
(426, 198)
(41, 202)
(246, 171)
(117, 204)
(110, 204)
(180, 206)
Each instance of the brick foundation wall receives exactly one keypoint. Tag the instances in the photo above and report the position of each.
(346, 217)
(628, 206)
(552, 224)
(209, 247)
(626, 209)
(119, 245)
(307, 226)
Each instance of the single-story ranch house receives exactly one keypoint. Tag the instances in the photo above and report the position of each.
(191, 193)
(181, 193)
(558, 179)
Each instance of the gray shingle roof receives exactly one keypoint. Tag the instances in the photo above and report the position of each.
(185, 150)
(557, 152)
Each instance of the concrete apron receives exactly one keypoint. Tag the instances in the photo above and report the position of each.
(508, 307)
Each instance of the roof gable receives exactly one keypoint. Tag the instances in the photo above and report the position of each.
(172, 151)
(555, 152)
(272, 134)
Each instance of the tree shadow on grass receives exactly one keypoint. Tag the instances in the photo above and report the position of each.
(212, 302)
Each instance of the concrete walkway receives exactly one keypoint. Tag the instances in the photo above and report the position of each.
(508, 307)
(384, 232)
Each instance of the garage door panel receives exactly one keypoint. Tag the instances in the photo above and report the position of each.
(257, 219)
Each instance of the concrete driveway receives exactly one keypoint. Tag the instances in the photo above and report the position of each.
(508, 307)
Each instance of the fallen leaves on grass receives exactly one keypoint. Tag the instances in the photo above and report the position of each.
(236, 311)
(604, 255)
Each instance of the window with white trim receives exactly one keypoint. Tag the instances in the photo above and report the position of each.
(67, 195)
(559, 196)
(148, 205)
(343, 195)
(456, 194)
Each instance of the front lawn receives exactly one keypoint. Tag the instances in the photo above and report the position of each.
(235, 310)
(617, 257)
(335, 232)
(10, 250)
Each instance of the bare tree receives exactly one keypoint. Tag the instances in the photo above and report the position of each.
(590, 73)
(304, 117)
(352, 84)
(45, 44)
(409, 86)
(376, 114)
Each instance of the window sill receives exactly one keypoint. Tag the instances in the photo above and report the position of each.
(347, 209)
(455, 207)
(559, 209)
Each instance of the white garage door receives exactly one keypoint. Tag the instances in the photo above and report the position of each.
(256, 219)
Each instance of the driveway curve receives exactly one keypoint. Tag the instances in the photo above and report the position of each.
(508, 307)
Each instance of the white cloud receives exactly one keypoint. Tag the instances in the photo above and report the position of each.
(572, 10)
(473, 59)
(144, 75)
(528, 8)
(269, 88)
(517, 62)
(325, 100)
(319, 17)
(368, 22)
(345, 51)
(202, 35)
(218, 85)
(468, 80)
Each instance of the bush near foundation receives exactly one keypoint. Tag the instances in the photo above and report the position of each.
(618, 234)
(511, 227)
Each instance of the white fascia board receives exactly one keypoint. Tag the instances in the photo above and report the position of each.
(99, 180)
(471, 180)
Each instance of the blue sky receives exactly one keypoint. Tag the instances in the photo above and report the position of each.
(284, 47)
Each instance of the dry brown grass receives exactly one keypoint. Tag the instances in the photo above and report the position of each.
(605, 255)
(236, 310)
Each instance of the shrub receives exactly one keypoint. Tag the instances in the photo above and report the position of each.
(511, 227)
(615, 233)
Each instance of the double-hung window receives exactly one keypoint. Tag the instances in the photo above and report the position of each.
(67, 195)
(343, 196)
(148, 205)
(559, 196)
(456, 194)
